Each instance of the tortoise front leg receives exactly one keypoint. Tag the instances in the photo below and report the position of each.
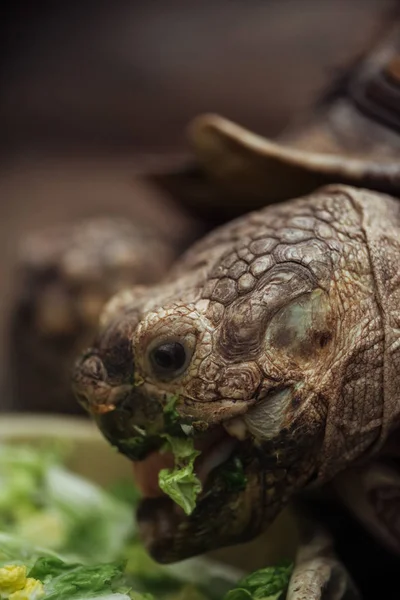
(318, 573)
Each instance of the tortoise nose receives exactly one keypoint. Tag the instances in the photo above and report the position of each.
(129, 419)
(92, 388)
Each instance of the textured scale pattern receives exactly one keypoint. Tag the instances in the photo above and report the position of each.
(281, 318)
(223, 293)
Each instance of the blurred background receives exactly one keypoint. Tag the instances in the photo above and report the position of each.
(92, 92)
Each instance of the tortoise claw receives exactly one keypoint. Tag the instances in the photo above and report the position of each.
(321, 579)
(318, 573)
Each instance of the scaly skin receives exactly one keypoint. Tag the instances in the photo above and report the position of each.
(288, 319)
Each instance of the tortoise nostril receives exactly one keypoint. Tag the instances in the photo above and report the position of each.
(88, 374)
(93, 368)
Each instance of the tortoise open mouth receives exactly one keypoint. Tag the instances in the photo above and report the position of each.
(231, 467)
(215, 448)
(229, 510)
(228, 476)
(218, 466)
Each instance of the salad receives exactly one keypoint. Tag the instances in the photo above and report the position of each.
(65, 538)
(181, 483)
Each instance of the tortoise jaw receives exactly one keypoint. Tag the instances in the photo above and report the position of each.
(222, 517)
(274, 470)
(137, 425)
(227, 509)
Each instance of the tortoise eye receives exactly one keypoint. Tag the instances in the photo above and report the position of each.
(168, 358)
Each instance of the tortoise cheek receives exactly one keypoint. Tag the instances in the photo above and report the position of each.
(303, 329)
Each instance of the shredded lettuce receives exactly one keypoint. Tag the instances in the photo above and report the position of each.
(31, 573)
(170, 412)
(80, 527)
(16, 551)
(125, 491)
(35, 574)
(41, 500)
(266, 584)
(181, 483)
(89, 544)
(233, 474)
(64, 581)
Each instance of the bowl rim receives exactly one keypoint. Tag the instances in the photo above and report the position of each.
(35, 425)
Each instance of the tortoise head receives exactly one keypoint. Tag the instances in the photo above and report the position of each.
(270, 334)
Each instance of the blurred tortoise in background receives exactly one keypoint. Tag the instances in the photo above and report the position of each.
(278, 333)
(68, 273)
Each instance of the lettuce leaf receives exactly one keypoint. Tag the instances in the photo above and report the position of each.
(41, 500)
(67, 581)
(63, 581)
(87, 528)
(99, 525)
(125, 491)
(265, 584)
(15, 551)
(232, 472)
(181, 483)
(170, 412)
(87, 525)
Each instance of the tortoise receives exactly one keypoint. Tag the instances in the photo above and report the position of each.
(277, 333)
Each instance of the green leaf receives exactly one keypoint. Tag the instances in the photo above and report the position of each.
(182, 448)
(14, 550)
(265, 584)
(233, 474)
(181, 484)
(64, 581)
(170, 412)
(125, 491)
(21, 476)
(142, 566)
(99, 525)
(42, 500)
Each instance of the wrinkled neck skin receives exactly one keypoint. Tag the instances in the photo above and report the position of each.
(371, 491)
(288, 319)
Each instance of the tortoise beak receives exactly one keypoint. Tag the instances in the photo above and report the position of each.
(128, 419)
(221, 518)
